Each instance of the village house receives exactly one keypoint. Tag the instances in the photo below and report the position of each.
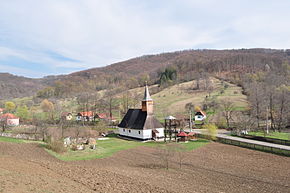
(105, 117)
(200, 116)
(9, 119)
(85, 116)
(66, 116)
(1, 111)
(141, 123)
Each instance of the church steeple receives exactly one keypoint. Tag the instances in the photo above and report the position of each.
(147, 102)
(147, 96)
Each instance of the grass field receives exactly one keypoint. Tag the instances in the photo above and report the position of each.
(172, 100)
(275, 135)
(13, 140)
(107, 148)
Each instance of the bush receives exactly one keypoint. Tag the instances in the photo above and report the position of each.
(57, 146)
(74, 147)
(222, 123)
(211, 131)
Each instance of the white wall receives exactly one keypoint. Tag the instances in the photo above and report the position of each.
(144, 134)
(199, 119)
(161, 132)
(12, 122)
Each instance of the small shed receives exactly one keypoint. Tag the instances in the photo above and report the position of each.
(182, 136)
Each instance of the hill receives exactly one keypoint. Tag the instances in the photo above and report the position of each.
(132, 73)
(17, 86)
(12, 86)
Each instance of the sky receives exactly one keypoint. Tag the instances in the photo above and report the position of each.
(50, 37)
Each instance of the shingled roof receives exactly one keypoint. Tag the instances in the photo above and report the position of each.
(147, 96)
(138, 119)
(8, 116)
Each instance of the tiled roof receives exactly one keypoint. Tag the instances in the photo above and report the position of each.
(8, 116)
(65, 114)
(86, 114)
(182, 134)
(200, 113)
(147, 96)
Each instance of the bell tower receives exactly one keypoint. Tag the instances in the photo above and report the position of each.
(147, 102)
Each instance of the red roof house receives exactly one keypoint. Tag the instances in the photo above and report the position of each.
(10, 119)
(104, 116)
(85, 116)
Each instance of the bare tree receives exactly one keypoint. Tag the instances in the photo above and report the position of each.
(166, 153)
(228, 110)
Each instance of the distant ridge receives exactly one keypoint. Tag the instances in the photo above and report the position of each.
(133, 72)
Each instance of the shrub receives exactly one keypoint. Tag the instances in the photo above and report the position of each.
(74, 147)
(211, 131)
(222, 123)
(57, 146)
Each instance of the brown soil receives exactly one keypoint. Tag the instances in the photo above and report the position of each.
(212, 168)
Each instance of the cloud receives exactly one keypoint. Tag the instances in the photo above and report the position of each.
(67, 35)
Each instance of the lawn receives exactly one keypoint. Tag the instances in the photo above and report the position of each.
(276, 135)
(13, 140)
(107, 148)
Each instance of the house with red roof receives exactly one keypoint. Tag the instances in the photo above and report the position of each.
(9, 119)
(66, 116)
(200, 116)
(85, 116)
(105, 117)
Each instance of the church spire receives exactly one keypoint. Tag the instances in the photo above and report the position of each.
(147, 102)
(147, 96)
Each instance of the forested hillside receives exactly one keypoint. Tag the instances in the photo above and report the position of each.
(263, 74)
(188, 65)
(15, 86)
(12, 86)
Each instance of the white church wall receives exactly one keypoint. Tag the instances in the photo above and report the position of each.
(140, 134)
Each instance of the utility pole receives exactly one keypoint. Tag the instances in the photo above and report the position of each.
(190, 120)
(267, 119)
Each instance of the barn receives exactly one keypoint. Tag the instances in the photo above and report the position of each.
(141, 123)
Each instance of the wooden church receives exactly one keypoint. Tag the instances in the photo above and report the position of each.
(141, 123)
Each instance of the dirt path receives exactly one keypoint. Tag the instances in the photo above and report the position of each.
(212, 168)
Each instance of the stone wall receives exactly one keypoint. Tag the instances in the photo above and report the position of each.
(22, 136)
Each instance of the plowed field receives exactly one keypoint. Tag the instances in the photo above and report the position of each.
(211, 168)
